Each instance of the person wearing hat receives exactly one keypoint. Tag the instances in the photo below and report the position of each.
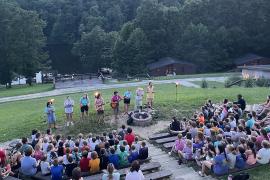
(50, 111)
(68, 105)
(115, 103)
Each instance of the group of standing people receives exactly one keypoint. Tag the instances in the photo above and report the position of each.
(99, 104)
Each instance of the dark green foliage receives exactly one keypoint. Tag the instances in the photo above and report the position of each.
(233, 80)
(204, 84)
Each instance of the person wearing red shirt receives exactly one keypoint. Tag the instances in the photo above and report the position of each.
(129, 137)
(84, 162)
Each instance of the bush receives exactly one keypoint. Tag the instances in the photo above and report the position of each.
(249, 83)
(204, 84)
(262, 82)
(231, 80)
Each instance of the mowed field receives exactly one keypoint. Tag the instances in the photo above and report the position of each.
(20, 117)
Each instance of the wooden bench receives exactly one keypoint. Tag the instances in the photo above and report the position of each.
(166, 140)
(168, 145)
(160, 135)
(158, 175)
(145, 167)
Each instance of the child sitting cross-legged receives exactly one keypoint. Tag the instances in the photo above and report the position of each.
(94, 163)
(186, 153)
(134, 155)
(123, 157)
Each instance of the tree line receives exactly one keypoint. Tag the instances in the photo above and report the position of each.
(72, 36)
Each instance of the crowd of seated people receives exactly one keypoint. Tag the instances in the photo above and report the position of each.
(222, 137)
(61, 157)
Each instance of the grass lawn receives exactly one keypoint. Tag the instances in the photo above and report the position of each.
(19, 118)
(24, 89)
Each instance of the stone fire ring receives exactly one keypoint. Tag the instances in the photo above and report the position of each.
(142, 122)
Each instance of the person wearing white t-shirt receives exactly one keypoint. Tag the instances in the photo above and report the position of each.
(135, 172)
(45, 166)
(263, 156)
(68, 105)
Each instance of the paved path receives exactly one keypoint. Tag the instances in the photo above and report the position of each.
(180, 172)
(56, 92)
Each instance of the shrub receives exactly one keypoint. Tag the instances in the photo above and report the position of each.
(233, 79)
(262, 82)
(249, 83)
(204, 84)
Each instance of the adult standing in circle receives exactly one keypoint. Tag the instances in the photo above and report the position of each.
(127, 97)
(115, 103)
(84, 104)
(150, 95)
(50, 111)
(68, 105)
(139, 98)
(99, 105)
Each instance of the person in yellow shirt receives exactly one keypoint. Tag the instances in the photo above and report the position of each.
(150, 95)
(94, 163)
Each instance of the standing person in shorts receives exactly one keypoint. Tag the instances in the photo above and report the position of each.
(84, 104)
(68, 105)
(127, 97)
(115, 104)
(139, 98)
(150, 95)
(99, 105)
(50, 111)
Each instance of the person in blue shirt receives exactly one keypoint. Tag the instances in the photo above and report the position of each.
(134, 154)
(219, 165)
(50, 111)
(84, 104)
(57, 170)
(28, 164)
(127, 97)
(114, 158)
(249, 124)
(241, 158)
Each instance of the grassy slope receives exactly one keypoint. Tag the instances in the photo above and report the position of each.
(24, 89)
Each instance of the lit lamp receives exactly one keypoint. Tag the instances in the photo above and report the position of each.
(177, 84)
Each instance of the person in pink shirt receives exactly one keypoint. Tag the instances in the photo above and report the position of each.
(250, 153)
(261, 137)
(179, 143)
(38, 153)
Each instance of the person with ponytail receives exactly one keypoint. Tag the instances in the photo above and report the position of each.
(219, 165)
(250, 153)
(240, 158)
(110, 174)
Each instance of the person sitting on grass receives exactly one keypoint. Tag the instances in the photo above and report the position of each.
(264, 108)
(56, 170)
(134, 154)
(114, 158)
(94, 163)
(4, 166)
(231, 154)
(250, 153)
(123, 157)
(219, 165)
(77, 174)
(110, 174)
(135, 172)
(70, 166)
(263, 155)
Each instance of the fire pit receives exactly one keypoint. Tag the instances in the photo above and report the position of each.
(141, 118)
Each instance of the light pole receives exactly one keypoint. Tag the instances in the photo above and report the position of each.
(176, 91)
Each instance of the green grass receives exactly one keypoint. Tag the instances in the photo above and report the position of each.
(19, 118)
(24, 89)
(211, 84)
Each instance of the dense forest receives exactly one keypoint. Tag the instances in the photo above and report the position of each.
(69, 36)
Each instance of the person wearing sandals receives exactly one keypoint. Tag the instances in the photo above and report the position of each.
(219, 165)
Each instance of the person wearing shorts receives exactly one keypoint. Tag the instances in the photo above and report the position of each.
(68, 105)
(150, 95)
(127, 97)
(84, 104)
(50, 111)
(99, 105)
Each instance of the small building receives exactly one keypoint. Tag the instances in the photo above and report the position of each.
(251, 60)
(170, 66)
(255, 72)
